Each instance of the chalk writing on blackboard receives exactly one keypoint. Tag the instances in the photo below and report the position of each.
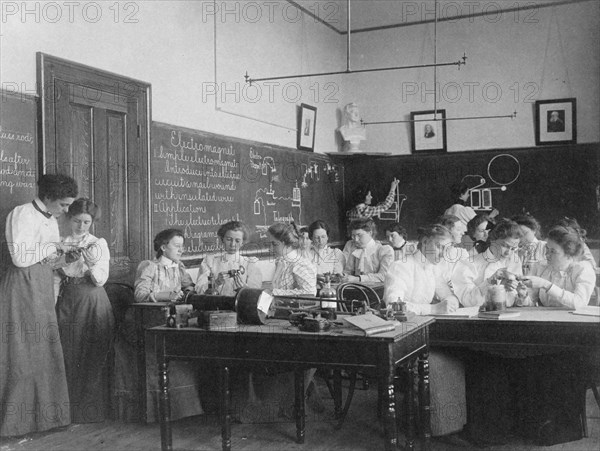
(202, 180)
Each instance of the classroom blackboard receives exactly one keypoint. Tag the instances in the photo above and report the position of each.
(18, 156)
(201, 180)
(549, 182)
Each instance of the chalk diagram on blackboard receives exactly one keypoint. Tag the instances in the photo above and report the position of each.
(503, 170)
(393, 213)
(267, 200)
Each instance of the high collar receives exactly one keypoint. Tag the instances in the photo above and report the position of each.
(167, 262)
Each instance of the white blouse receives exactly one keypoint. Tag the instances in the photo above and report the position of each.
(217, 263)
(469, 279)
(327, 260)
(570, 288)
(154, 276)
(31, 236)
(417, 281)
(95, 258)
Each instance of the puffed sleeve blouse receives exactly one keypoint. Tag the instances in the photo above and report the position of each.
(30, 235)
(154, 276)
(570, 288)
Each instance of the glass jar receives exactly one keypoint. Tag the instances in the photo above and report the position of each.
(495, 298)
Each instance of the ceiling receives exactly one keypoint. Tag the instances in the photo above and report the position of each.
(370, 15)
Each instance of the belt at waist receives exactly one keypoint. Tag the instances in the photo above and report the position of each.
(75, 280)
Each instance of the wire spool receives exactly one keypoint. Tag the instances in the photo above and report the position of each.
(347, 292)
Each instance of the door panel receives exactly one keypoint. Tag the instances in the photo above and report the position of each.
(94, 133)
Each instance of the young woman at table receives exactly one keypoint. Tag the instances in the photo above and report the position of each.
(326, 259)
(477, 229)
(294, 274)
(164, 278)
(553, 397)
(397, 238)
(85, 317)
(161, 280)
(33, 381)
(417, 282)
(500, 263)
(367, 260)
(230, 269)
(562, 281)
(531, 248)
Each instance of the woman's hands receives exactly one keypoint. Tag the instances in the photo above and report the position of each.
(166, 296)
(536, 282)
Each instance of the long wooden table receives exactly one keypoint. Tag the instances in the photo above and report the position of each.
(277, 343)
(537, 331)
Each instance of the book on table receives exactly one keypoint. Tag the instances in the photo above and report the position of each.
(370, 324)
(463, 312)
(588, 310)
(499, 314)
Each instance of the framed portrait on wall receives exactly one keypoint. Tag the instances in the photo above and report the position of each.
(307, 123)
(428, 131)
(556, 121)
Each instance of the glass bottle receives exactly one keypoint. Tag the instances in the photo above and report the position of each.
(211, 290)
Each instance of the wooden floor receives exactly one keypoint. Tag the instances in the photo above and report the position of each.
(361, 431)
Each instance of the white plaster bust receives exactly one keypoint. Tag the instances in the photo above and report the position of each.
(353, 132)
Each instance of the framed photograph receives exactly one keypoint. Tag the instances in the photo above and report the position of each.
(307, 122)
(428, 131)
(556, 121)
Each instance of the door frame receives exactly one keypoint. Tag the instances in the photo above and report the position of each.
(48, 69)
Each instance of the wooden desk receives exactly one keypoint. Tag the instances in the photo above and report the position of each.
(538, 330)
(279, 344)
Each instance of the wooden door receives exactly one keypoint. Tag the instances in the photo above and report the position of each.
(95, 129)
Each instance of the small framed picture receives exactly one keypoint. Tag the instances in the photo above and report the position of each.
(556, 121)
(307, 122)
(428, 131)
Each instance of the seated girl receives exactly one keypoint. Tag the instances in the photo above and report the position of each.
(416, 282)
(367, 260)
(164, 278)
(230, 269)
(294, 274)
(397, 238)
(326, 259)
(500, 263)
(532, 249)
(562, 281)
(477, 229)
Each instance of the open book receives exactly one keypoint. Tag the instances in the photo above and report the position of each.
(463, 312)
(370, 324)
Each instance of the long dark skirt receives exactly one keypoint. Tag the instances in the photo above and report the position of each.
(33, 384)
(86, 323)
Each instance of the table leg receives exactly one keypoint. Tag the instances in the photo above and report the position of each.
(410, 406)
(299, 403)
(424, 399)
(388, 402)
(225, 408)
(337, 393)
(166, 437)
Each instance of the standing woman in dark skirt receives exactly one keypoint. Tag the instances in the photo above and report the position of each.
(33, 384)
(85, 316)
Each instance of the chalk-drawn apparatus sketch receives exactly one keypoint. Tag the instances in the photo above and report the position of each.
(393, 213)
(503, 170)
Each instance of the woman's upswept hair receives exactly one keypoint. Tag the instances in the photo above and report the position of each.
(568, 239)
(163, 237)
(288, 234)
(504, 229)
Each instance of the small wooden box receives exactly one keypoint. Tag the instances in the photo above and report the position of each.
(217, 320)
